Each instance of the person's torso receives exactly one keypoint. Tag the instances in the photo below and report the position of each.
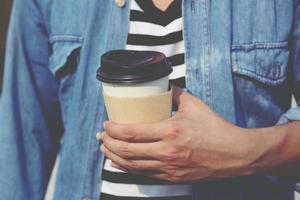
(236, 56)
(150, 29)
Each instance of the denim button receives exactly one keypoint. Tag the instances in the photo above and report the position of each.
(86, 198)
(120, 3)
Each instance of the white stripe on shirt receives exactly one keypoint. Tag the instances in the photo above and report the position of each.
(118, 189)
(144, 28)
(168, 50)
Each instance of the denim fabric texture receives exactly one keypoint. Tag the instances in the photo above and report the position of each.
(242, 60)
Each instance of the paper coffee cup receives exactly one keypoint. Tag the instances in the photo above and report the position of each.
(135, 86)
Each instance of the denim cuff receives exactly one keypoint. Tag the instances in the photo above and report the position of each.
(297, 188)
(292, 114)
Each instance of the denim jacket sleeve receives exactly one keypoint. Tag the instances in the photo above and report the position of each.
(294, 113)
(30, 125)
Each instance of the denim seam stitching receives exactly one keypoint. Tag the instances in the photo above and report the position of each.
(253, 46)
(186, 41)
(207, 71)
(259, 77)
(65, 38)
(90, 139)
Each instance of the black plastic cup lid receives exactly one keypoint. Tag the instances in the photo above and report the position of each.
(132, 67)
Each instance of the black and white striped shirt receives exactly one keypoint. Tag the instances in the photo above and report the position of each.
(155, 30)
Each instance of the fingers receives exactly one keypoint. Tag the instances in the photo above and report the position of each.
(151, 132)
(131, 165)
(157, 174)
(150, 173)
(132, 150)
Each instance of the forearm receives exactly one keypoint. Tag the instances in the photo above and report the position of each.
(275, 150)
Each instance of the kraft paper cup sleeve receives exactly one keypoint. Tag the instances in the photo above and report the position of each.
(134, 110)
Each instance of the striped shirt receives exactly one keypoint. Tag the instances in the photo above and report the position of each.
(154, 30)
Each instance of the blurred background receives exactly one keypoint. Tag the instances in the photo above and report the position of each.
(4, 18)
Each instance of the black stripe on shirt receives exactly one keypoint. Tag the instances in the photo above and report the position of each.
(139, 16)
(104, 196)
(177, 59)
(161, 17)
(128, 178)
(180, 82)
(150, 40)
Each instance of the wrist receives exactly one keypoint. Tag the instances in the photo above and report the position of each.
(263, 148)
(244, 144)
(248, 152)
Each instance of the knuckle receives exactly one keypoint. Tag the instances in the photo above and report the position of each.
(132, 165)
(171, 154)
(179, 174)
(172, 179)
(184, 156)
(176, 176)
(169, 170)
(178, 155)
(175, 129)
(124, 151)
(129, 135)
(127, 165)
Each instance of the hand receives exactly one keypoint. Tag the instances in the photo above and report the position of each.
(196, 144)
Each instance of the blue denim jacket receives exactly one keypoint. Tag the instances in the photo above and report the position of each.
(242, 60)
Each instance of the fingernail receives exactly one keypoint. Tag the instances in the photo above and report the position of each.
(99, 136)
(104, 124)
(102, 148)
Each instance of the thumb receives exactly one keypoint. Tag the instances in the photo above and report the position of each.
(181, 98)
